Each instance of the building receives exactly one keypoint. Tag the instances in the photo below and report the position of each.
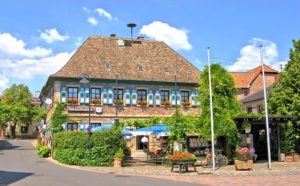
(127, 79)
(250, 87)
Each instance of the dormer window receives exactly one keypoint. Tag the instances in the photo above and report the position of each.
(166, 69)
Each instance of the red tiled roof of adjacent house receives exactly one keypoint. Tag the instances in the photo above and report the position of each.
(244, 79)
(142, 60)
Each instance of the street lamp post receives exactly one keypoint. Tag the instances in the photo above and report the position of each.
(86, 80)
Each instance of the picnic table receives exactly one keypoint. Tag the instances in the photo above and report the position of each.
(183, 165)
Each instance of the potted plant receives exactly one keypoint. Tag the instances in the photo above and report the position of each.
(43, 151)
(247, 127)
(118, 158)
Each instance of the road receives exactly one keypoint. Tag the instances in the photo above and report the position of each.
(20, 165)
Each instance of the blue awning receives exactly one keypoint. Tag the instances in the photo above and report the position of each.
(102, 127)
(159, 129)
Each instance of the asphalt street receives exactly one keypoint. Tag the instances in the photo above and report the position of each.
(20, 165)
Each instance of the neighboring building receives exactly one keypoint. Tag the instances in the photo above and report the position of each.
(145, 78)
(250, 87)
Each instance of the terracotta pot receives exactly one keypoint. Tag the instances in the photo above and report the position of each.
(289, 158)
(117, 163)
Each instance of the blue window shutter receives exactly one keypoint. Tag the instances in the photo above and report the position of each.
(87, 95)
(134, 97)
(173, 98)
(157, 97)
(82, 95)
(105, 96)
(63, 94)
(127, 97)
(150, 97)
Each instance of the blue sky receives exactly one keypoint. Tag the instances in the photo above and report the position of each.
(38, 37)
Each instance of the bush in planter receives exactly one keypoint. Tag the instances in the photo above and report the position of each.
(72, 147)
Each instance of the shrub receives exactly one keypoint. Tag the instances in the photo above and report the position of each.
(72, 147)
(43, 151)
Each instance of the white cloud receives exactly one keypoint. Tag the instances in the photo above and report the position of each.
(176, 38)
(86, 9)
(9, 45)
(29, 68)
(92, 21)
(250, 56)
(52, 35)
(104, 13)
(3, 82)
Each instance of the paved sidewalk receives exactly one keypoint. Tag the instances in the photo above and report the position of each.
(282, 173)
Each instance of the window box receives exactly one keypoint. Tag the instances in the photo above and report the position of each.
(118, 102)
(96, 101)
(142, 103)
(167, 104)
(186, 104)
(72, 101)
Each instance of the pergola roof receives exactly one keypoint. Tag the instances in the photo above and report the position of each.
(257, 120)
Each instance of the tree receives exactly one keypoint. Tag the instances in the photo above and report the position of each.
(58, 117)
(284, 99)
(225, 105)
(16, 108)
(179, 125)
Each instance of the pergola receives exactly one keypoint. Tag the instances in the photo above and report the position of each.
(258, 123)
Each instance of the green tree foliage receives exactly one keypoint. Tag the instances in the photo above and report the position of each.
(225, 105)
(58, 117)
(179, 124)
(284, 99)
(16, 108)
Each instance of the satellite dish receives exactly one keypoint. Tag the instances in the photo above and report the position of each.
(48, 101)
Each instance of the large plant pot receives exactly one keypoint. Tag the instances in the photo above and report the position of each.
(243, 165)
(117, 162)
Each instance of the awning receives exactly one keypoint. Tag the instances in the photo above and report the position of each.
(102, 127)
(159, 129)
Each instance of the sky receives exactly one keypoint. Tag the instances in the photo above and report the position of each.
(38, 37)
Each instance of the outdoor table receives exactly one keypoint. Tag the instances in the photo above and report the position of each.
(183, 165)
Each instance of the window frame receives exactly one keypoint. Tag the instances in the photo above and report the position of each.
(72, 93)
(183, 95)
(165, 95)
(119, 95)
(95, 95)
(141, 93)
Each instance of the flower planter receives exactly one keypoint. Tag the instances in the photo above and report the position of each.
(243, 165)
(117, 162)
(289, 158)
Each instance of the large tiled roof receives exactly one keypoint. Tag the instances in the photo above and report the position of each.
(142, 60)
(244, 79)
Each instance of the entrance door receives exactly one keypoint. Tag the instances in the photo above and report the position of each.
(142, 145)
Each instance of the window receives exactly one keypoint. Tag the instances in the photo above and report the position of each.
(142, 94)
(24, 130)
(96, 93)
(249, 109)
(72, 126)
(185, 95)
(118, 94)
(95, 125)
(164, 95)
(72, 92)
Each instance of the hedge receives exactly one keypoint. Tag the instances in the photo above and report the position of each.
(72, 147)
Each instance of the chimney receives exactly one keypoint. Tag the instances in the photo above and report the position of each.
(112, 35)
(141, 37)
